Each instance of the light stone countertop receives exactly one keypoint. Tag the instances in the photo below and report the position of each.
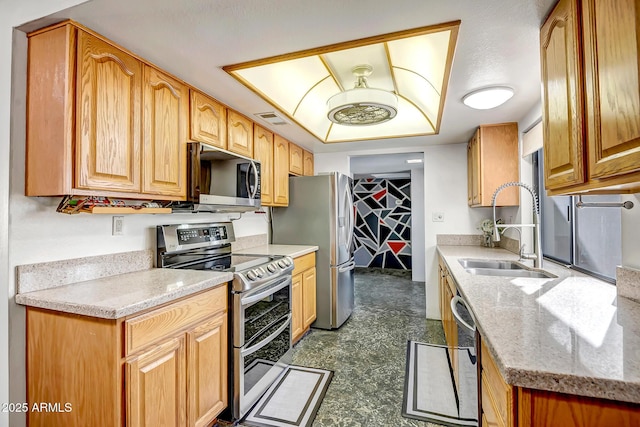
(121, 295)
(293, 251)
(571, 335)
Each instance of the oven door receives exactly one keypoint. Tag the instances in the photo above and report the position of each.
(260, 363)
(259, 308)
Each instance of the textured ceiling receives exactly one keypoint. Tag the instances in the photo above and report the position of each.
(497, 44)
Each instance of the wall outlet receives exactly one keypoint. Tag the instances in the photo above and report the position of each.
(437, 216)
(117, 226)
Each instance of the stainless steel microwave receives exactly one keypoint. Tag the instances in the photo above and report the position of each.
(221, 181)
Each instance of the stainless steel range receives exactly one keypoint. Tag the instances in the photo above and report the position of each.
(259, 304)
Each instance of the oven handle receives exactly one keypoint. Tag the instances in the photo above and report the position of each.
(258, 346)
(271, 289)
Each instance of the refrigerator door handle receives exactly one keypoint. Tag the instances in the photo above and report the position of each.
(350, 266)
(351, 218)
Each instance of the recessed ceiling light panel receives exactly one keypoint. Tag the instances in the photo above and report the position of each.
(414, 161)
(487, 98)
(404, 97)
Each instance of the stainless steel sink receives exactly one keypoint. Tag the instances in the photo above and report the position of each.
(537, 274)
(491, 263)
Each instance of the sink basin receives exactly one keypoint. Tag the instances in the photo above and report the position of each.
(537, 274)
(494, 264)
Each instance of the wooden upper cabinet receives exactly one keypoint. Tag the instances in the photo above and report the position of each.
(239, 134)
(612, 84)
(591, 90)
(493, 161)
(108, 88)
(165, 120)
(475, 169)
(562, 91)
(263, 152)
(280, 171)
(208, 120)
(296, 162)
(307, 168)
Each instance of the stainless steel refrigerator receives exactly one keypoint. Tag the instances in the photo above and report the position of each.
(320, 213)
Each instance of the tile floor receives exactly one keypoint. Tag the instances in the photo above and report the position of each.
(367, 354)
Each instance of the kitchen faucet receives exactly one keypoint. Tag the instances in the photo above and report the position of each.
(537, 256)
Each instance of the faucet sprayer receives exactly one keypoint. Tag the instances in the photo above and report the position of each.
(537, 257)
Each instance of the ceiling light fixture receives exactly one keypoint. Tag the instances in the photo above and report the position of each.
(362, 105)
(487, 98)
(414, 161)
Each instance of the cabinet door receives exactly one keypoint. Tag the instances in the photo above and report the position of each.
(208, 120)
(207, 356)
(296, 161)
(263, 152)
(562, 97)
(165, 113)
(308, 297)
(156, 386)
(239, 134)
(307, 168)
(109, 86)
(280, 171)
(297, 320)
(612, 84)
(469, 175)
(476, 194)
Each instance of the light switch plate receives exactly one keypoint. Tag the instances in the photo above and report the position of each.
(117, 226)
(437, 217)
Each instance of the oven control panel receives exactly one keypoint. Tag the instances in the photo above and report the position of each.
(181, 237)
(201, 235)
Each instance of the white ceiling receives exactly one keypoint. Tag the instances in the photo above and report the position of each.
(497, 45)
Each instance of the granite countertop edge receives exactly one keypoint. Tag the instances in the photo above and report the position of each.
(293, 251)
(47, 299)
(519, 376)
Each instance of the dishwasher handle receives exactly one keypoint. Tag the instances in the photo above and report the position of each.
(454, 309)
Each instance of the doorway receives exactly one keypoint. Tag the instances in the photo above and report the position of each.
(389, 212)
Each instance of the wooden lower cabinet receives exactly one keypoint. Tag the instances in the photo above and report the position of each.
(296, 307)
(207, 382)
(447, 292)
(155, 385)
(303, 294)
(504, 405)
(309, 297)
(107, 374)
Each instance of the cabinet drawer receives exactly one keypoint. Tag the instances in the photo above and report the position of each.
(490, 417)
(149, 327)
(492, 380)
(303, 263)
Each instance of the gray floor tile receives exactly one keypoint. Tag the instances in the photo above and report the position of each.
(367, 354)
